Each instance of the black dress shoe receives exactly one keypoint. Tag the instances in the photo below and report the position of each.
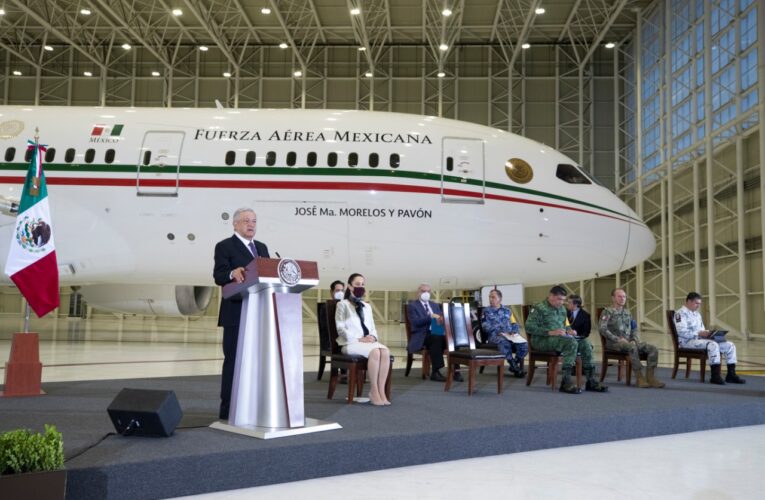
(437, 377)
(458, 377)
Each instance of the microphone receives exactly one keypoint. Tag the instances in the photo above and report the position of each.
(277, 254)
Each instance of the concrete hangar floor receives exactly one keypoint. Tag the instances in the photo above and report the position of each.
(728, 450)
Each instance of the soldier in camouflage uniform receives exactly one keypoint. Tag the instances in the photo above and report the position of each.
(620, 331)
(547, 331)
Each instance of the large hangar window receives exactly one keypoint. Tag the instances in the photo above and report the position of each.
(10, 154)
(571, 174)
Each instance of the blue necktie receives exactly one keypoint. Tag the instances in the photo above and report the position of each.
(252, 249)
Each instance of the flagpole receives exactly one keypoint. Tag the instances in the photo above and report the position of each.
(26, 316)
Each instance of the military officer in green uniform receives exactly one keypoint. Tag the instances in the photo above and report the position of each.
(620, 331)
(548, 330)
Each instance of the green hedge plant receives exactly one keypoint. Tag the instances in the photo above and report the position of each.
(27, 451)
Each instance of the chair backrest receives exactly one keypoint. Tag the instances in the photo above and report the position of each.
(672, 329)
(459, 333)
(407, 323)
(321, 314)
(331, 308)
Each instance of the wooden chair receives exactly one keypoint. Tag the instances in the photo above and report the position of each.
(325, 344)
(551, 358)
(684, 352)
(462, 351)
(623, 359)
(356, 366)
(422, 352)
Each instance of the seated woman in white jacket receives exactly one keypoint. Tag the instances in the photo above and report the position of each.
(357, 335)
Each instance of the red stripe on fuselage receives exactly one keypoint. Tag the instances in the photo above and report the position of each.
(306, 185)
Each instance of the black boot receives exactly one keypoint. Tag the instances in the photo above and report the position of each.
(521, 372)
(716, 377)
(567, 385)
(731, 377)
(593, 384)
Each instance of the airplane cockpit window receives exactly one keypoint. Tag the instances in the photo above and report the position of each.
(271, 158)
(291, 159)
(593, 178)
(69, 155)
(519, 170)
(395, 160)
(10, 154)
(374, 160)
(50, 155)
(332, 159)
(571, 174)
(249, 158)
(28, 155)
(230, 157)
(449, 164)
(311, 159)
(353, 159)
(90, 155)
(109, 156)
(146, 157)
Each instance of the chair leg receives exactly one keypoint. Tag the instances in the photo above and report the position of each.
(409, 359)
(425, 365)
(703, 369)
(530, 373)
(388, 381)
(677, 364)
(578, 371)
(552, 372)
(361, 377)
(352, 380)
(333, 373)
(500, 378)
(619, 371)
(449, 374)
(688, 367)
(471, 378)
(603, 367)
(322, 364)
(628, 367)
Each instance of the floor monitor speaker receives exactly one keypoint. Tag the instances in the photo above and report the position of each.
(144, 412)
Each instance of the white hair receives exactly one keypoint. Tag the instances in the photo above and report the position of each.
(240, 211)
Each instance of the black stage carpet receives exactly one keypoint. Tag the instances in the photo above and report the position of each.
(423, 425)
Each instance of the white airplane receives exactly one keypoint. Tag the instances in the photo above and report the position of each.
(140, 196)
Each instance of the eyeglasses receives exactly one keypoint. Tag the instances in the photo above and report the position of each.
(248, 221)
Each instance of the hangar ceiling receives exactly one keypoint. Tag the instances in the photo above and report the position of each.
(101, 30)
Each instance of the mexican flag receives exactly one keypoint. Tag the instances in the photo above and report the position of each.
(31, 260)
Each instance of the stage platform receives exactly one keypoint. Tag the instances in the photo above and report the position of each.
(424, 425)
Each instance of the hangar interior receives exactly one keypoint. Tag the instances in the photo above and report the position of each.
(659, 100)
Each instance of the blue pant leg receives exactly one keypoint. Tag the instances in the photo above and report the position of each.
(521, 350)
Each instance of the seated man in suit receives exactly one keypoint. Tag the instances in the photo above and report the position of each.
(692, 333)
(578, 318)
(422, 313)
(231, 257)
(500, 327)
(547, 326)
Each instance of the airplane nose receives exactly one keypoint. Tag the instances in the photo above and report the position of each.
(641, 244)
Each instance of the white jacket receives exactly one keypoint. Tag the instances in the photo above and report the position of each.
(349, 324)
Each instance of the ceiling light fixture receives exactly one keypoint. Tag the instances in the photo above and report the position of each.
(126, 46)
(283, 45)
(87, 73)
(362, 49)
(2, 12)
(177, 12)
(85, 12)
(155, 73)
(17, 73)
(441, 74)
(443, 47)
(369, 74)
(204, 48)
(227, 74)
(298, 74)
(355, 11)
(446, 12)
(539, 10)
(48, 48)
(526, 45)
(610, 45)
(265, 10)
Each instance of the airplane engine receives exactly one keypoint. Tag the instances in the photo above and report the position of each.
(158, 300)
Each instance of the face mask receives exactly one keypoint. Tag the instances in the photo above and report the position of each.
(425, 296)
(338, 295)
(358, 291)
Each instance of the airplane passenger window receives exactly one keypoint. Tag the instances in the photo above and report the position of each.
(10, 153)
(146, 157)
(353, 159)
(291, 159)
(50, 155)
(109, 156)
(571, 174)
(271, 158)
(69, 155)
(28, 155)
(230, 157)
(90, 155)
(395, 160)
(249, 158)
(374, 160)
(311, 159)
(332, 159)
(449, 164)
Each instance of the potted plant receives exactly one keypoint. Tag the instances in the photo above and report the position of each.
(32, 464)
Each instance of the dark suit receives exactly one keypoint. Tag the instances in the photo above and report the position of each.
(582, 324)
(419, 320)
(230, 254)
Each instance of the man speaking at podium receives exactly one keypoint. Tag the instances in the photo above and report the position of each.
(231, 257)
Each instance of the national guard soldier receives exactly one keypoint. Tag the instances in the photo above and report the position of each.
(692, 334)
(547, 327)
(620, 331)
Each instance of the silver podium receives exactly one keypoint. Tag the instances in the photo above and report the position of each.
(267, 393)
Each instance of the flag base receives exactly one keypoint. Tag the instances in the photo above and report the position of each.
(23, 371)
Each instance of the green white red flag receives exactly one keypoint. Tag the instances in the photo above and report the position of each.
(31, 260)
